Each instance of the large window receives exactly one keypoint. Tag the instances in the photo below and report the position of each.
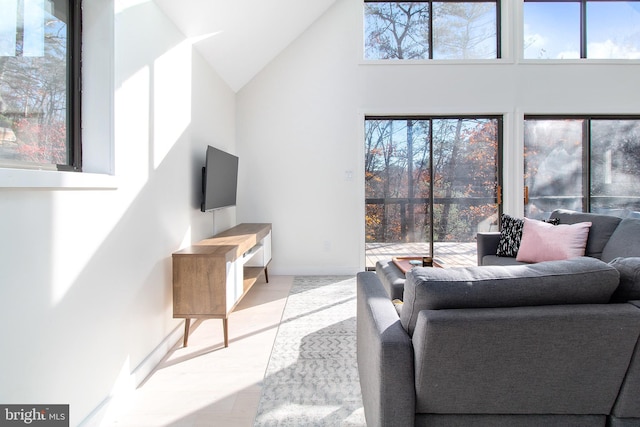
(432, 30)
(430, 179)
(586, 164)
(39, 84)
(581, 29)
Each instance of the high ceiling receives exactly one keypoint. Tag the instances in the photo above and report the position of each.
(239, 37)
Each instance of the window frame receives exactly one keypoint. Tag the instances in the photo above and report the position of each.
(586, 144)
(74, 86)
(73, 91)
(498, 4)
(500, 119)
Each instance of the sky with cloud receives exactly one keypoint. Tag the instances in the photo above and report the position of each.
(552, 30)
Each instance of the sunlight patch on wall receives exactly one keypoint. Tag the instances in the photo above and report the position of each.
(122, 5)
(187, 238)
(132, 130)
(76, 236)
(120, 399)
(79, 233)
(195, 39)
(171, 99)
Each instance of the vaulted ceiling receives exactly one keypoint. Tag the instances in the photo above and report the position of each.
(239, 37)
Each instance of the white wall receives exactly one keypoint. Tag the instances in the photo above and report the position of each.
(300, 127)
(85, 274)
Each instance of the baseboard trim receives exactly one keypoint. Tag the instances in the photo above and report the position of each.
(128, 382)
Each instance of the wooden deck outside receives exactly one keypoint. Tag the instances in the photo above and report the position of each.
(450, 254)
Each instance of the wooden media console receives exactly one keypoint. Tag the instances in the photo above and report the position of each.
(211, 277)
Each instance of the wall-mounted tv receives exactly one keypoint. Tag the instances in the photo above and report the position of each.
(219, 180)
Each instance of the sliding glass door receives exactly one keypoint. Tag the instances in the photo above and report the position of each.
(587, 164)
(431, 184)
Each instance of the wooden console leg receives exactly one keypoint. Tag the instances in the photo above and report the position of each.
(187, 323)
(266, 274)
(225, 329)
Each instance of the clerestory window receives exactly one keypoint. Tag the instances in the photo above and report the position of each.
(40, 45)
(431, 30)
(572, 29)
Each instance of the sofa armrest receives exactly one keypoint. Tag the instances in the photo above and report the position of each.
(385, 357)
(487, 243)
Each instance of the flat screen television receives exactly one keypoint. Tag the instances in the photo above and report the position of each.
(219, 180)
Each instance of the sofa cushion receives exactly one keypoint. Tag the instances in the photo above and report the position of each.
(602, 227)
(576, 281)
(500, 260)
(629, 287)
(546, 242)
(624, 242)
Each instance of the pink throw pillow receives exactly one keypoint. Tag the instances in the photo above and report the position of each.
(547, 242)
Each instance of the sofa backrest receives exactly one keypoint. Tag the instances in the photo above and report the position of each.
(602, 227)
(559, 359)
(624, 242)
(581, 280)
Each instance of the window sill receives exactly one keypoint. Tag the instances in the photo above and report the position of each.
(440, 62)
(55, 180)
(581, 61)
(436, 61)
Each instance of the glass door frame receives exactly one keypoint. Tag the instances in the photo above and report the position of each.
(497, 197)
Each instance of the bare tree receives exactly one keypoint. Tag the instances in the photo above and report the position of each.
(396, 30)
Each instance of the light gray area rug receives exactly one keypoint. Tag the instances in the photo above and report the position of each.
(312, 376)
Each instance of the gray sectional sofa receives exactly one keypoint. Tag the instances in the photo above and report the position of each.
(609, 237)
(554, 343)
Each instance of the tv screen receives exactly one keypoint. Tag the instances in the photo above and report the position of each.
(219, 180)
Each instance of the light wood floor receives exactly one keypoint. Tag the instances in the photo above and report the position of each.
(206, 384)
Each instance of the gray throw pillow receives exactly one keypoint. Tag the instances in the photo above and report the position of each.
(629, 287)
